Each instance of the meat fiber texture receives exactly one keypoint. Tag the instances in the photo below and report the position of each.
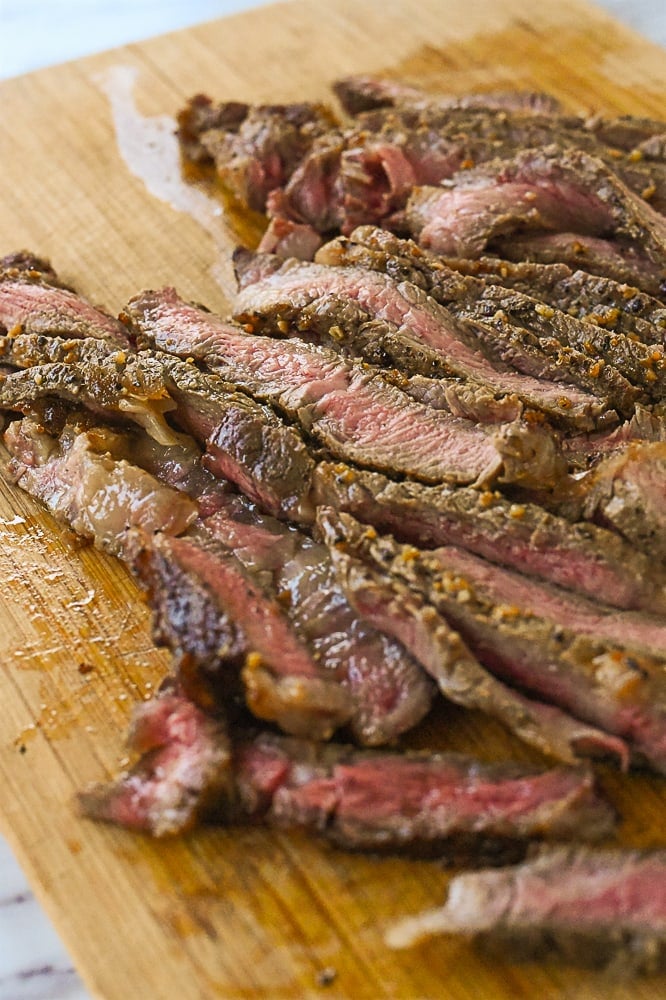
(407, 466)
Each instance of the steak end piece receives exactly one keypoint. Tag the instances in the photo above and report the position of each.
(185, 768)
(605, 909)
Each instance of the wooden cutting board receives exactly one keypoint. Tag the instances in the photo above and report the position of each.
(91, 180)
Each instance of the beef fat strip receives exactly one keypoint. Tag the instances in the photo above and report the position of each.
(433, 804)
(347, 407)
(583, 558)
(387, 603)
(244, 441)
(600, 908)
(32, 300)
(84, 479)
(556, 648)
(394, 324)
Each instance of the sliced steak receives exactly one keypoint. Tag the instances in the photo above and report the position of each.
(503, 317)
(482, 133)
(607, 258)
(244, 441)
(597, 300)
(224, 628)
(436, 804)
(583, 558)
(33, 301)
(347, 407)
(24, 263)
(573, 662)
(515, 324)
(542, 190)
(182, 775)
(392, 607)
(363, 93)
(600, 908)
(388, 690)
(393, 323)
(254, 149)
(627, 491)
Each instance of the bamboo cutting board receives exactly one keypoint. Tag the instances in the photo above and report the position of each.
(91, 179)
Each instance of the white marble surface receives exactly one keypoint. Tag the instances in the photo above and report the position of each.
(36, 33)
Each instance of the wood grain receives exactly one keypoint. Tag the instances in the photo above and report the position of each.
(234, 914)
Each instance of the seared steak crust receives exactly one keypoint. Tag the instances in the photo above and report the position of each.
(580, 557)
(613, 685)
(350, 409)
(391, 606)
(394, 324)
(244, 441)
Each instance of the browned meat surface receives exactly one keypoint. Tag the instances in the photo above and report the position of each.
(363, 93)
(627, 491)
(244, 441)
(395, 324)
(582, 557)
(598, 301)
(572, 656)
(600, 908)
(350, 409)
(537, 190)
(625, 264)
(385, 602)
(254, 149)
(32, 300)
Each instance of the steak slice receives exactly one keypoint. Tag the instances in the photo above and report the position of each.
(347, 407)
(393, 323)
(183, 773)
(618, 362)
(583, 558)
(389, 692)
(244, 441)
(33, 301)
(24, 263)
(512, 324)
(627, 491)
(438, 804)
(253, 149)
(604, 257)
(223, 626)
(389, 605)
(536, 189)
(572, 662)
(594, 299)
(363, 93)
(600, 908)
